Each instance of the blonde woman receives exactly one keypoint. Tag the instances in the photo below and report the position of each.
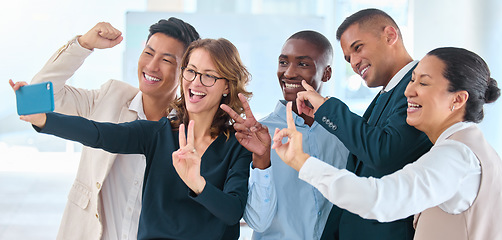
(195, 184)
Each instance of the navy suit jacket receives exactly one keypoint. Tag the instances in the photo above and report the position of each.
(380, 143)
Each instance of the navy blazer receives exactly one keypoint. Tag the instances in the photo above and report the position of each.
(380, 143)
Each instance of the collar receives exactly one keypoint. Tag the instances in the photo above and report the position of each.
(399, 75)
(137, 106)
(280, 110)
(453, 129)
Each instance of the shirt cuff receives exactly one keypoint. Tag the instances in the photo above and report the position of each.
(262, 177)
(75, 41)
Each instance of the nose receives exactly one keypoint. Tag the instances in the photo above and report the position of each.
(197, 81)
(153, 65)
(410, 90)
(355, 62)
(290, 71)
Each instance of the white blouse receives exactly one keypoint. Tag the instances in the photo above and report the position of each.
(447, 176)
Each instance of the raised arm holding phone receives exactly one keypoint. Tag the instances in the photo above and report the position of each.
(196, 175)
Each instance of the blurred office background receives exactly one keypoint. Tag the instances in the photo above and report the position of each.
(36, 170)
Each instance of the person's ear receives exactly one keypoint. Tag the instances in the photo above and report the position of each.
(227, 90)
(460, 99)
(391, 35)
(326, 76)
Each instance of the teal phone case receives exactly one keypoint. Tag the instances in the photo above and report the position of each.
(35, 98)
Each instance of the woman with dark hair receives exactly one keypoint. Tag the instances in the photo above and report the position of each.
(456, 188)
(195, 184)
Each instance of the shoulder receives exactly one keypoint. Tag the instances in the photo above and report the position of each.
(119, 87)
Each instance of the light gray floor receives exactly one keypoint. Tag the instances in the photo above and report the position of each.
(33, 192)
(31, 204)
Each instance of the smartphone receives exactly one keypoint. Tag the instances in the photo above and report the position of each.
(35, 98)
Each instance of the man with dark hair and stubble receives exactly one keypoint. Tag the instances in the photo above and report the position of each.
(380, 142)
(105, 199)
(280, 205)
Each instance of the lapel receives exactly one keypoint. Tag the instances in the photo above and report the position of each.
(368, 111)
(127, 115)
(379, 106)
(373, 114)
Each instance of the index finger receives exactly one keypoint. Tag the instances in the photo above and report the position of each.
(289, 116)
(232, 113)
(245, 105)
(190, 137)
(307, 86)
(182, 140)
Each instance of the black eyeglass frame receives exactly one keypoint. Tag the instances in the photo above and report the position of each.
(200, 78)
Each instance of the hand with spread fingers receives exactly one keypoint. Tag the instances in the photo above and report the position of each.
(312, 96)
(187, 161)
(251, 134)
(290, 152)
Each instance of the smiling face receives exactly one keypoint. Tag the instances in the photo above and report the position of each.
(300, 60)
(429, 101)
(199, 98)
(369, 54)
(158, 66)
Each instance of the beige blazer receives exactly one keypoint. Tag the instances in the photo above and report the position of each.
(481, 221)
(81, 218)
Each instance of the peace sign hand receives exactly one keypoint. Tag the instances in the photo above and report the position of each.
(251, 134)
(290, 152)
(187, 161)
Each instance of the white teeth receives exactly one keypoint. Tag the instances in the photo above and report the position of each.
(291, 85)
(363, 70)
(412, 105)
(150, 78)
(197, 93)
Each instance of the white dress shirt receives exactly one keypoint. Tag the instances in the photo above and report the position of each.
(399, 75)
(447, 176)
(121, 192)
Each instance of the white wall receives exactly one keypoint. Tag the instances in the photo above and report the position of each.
(472, 24)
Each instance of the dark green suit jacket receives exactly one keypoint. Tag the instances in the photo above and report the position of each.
(380, 143)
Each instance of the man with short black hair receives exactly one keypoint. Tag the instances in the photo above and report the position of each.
(380, 142)
(105, 199)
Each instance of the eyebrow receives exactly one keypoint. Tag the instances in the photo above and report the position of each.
(347, 58)
(205, 71)
(165, 54)
(354, 43)
(421, 75)
(299, 57)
